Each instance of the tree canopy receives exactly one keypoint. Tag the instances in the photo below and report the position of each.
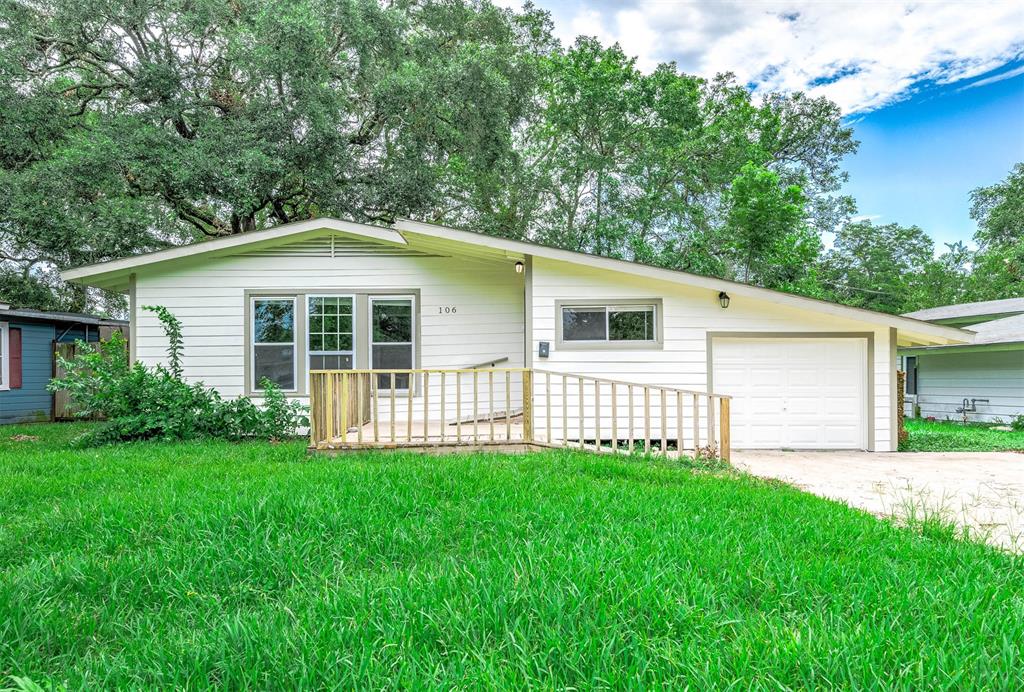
(126, 127)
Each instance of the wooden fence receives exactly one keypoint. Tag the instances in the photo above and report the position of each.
(62, 407)
(512, 406)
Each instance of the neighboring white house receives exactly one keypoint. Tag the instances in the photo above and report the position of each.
(985, 377)
(332, 294)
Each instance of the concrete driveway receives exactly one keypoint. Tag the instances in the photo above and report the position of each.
(981, 490)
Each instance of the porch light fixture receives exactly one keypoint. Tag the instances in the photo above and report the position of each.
(519, 267)
(723, 299)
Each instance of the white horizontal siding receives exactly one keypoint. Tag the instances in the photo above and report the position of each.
(689, 314)
(208, 298)
(945, 380)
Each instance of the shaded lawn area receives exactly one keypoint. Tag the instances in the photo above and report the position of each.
(253, 565)
(947, 436)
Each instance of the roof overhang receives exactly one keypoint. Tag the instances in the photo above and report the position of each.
(962, 348)
(910, 330)
(115, 275)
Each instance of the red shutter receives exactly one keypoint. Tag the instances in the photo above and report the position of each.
(14, 345)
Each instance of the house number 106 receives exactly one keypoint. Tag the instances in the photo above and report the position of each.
(446, 310)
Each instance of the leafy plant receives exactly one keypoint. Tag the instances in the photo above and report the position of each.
(142, 403)
(1018, 423)
(172, 328)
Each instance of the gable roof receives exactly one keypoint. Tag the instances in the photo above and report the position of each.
(971, 313)
(114, 275)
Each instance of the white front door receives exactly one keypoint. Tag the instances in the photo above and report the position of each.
(794, 393)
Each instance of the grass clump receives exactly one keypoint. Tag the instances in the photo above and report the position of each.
(255, 565)
(951, 436)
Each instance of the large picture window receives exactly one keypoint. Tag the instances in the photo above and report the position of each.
(609, 323)
(391, 338)
(331, 332)
(273, 342)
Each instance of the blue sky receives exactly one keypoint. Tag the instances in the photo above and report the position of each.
(934, 90)
(920, 158)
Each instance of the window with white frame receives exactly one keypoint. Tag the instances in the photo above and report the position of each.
(331, 336)
(391, 338)
(5, 360)
(609, 323)
(273, 342)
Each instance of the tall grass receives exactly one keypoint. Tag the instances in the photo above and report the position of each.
(253, 565)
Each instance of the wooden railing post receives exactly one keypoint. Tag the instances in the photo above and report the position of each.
(615, 421)
(314, 405)
(696, 424)
(392, 435)
(409, 386)
(426, 405)
(528, 405)
(344, 406)
(647, 419)
(329, 414)
(723, 426)
(664, 423)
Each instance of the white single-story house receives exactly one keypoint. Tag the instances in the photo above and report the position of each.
(985, 377)
(326, 294)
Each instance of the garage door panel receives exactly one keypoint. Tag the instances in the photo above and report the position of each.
(807, 393)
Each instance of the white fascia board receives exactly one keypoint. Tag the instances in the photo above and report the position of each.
(929, 331)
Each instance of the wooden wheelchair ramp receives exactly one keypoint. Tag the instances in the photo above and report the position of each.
(511, 408)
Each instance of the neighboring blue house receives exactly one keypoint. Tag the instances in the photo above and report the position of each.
(27, 339)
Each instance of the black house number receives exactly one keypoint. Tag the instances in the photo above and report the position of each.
(446, 310)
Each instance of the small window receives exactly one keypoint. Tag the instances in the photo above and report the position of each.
(910, 367)
(330, 332)
(391, 339)
(5, 382)
(609, 323)
(273, 342)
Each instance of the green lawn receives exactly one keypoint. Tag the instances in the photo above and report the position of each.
(945, 436)
(254, 565)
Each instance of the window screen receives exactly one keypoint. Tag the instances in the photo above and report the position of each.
(273, 337)
(391, 335)
(609, 323)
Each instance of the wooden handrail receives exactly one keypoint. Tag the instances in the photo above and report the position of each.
(605, 380)
(488, 363)
(602, 414)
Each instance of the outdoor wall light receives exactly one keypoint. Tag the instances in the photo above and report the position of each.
(519, 267)
(723, 299)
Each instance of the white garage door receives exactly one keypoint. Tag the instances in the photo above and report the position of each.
(794, 393)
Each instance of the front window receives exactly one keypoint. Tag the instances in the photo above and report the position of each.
(331, 335)
(273, 337)
(609, 323)
(391, 338)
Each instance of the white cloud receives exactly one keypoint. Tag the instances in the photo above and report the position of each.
(995, 78)
(863, 55)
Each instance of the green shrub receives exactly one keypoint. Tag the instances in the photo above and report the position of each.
(142, 403)
(1018, 423)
